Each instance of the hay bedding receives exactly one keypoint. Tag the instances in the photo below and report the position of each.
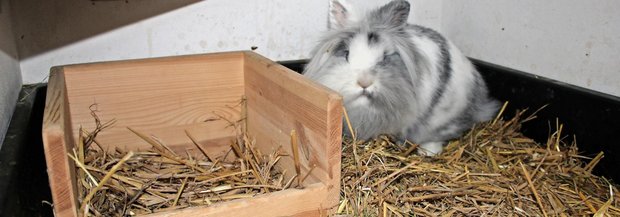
(491, 171)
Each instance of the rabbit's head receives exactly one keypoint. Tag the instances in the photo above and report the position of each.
(368, 60)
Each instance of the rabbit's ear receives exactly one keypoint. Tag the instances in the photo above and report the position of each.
(393, 14)
(339, 14)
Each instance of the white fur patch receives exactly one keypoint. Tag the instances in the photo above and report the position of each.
(363, 57)
(430, 148)
(428, 48)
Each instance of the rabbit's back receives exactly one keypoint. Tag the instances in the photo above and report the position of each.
(451, 93)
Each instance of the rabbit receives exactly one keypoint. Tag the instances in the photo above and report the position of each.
(399, 79)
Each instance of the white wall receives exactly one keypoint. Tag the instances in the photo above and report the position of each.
(574, 41)
(10, 77)
(281, 29)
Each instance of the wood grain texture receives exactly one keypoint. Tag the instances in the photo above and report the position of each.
(57, 142)
(280, 100)
(305, 202)
(160, 96)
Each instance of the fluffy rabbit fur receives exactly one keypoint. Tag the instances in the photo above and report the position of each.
(397, 78)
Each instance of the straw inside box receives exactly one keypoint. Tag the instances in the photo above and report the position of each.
(119, 183)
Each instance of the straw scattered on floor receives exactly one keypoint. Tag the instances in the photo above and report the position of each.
(491, 171)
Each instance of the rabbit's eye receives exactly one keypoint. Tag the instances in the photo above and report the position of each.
(342, 53)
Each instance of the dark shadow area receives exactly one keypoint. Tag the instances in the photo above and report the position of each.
(24, 183)
(41, 25)
(8, 46)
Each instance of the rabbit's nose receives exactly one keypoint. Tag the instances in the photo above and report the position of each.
(364, 82)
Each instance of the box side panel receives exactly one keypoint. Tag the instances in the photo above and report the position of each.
(160, 97)
(57, 142)
(290, 202)
(334, 146)
(280, 101)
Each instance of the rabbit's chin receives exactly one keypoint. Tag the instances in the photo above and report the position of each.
(360, 99)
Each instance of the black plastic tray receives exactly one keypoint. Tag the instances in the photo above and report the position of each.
(23, 175)
(592, 117)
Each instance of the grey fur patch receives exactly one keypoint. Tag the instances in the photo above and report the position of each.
(394, 14)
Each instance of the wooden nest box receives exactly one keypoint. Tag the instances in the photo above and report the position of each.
(165, 96)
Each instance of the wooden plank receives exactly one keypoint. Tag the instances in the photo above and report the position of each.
(57, 143)
(160, 96)
(290, 202)
(279, 101)
(271, 135)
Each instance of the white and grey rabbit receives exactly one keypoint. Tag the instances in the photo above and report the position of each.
(399, 79)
